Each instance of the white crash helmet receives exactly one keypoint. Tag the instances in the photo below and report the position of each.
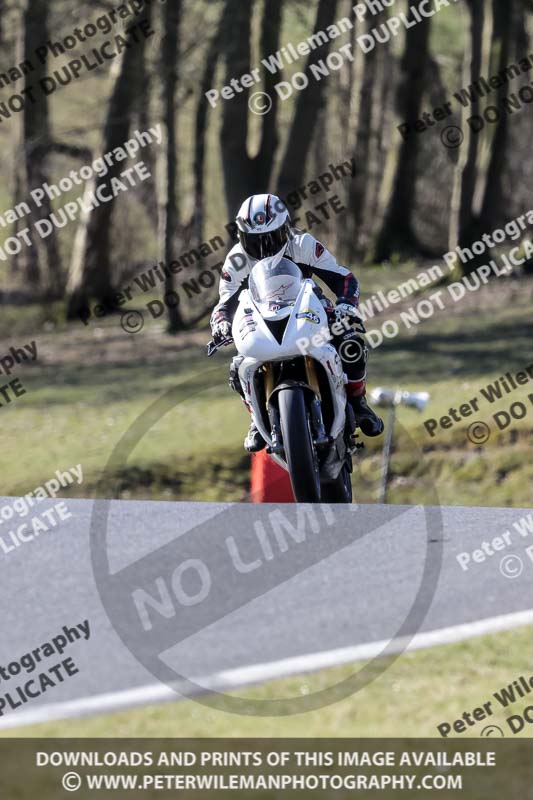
(264, 226)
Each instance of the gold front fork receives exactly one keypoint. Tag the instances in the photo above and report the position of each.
(312, 376)
(269, 382)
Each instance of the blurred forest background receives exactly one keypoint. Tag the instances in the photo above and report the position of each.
(412, 199)
(410, 202)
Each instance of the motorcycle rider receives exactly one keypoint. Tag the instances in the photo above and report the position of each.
(264, 230)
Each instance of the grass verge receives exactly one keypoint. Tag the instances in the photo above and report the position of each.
(418, 692)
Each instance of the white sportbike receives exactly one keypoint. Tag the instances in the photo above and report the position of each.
(293, 380)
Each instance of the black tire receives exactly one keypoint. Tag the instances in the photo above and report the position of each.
(300, 452)
(341, 490)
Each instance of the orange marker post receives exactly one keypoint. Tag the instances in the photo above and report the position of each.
(270, 482)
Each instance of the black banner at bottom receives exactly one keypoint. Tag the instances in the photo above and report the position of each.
(477, 769)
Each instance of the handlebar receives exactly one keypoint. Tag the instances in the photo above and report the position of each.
(214, 347)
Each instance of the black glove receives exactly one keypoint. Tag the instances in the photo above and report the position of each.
(221, 331)
(347, 315)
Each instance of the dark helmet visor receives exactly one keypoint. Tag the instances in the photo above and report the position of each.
(264, 245)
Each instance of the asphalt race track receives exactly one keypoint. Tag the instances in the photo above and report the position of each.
(226, 595)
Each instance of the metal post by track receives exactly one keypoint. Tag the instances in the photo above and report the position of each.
(391, 399)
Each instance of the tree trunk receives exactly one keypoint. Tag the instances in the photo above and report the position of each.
(523, 44)
(91, 269)
(464, 218)
(348, 87)
(41, 261)
(195, 229)
(360, 185)
(236, 164)
(308, 106)
(264, 161)
(381, 142)
(493, 211)
(397, 234)
(243, 175)
(469, 176)
(168, 167)
(147, 189)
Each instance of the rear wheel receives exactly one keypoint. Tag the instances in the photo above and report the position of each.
(300, 452)
(340, 491)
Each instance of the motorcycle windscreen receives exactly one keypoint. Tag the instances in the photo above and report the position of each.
(274, 287)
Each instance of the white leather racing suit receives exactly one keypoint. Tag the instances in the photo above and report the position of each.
(310, 255)
(314, 260)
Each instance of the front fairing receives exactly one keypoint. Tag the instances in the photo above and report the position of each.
(306, 327)
(306, 334)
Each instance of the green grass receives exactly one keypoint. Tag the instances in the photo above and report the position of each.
(410, 699)
(81, 412)
(90, 385)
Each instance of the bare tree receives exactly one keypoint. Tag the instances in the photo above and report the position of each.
(308, 107)
(236, 164)
(494, 199)
(381, 141)
(397, 233)
(168, 164)
(40, 261)
(464, 217)
(91, 269)
(367, 125)
(194, 231)
(348, 85)
(245, 175)
(270, 32)
(147, 190)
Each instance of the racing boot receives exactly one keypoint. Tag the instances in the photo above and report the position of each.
(254, 442)
(366, 418)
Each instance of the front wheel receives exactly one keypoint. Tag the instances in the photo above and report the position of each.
(340, 491)
(300, 452)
